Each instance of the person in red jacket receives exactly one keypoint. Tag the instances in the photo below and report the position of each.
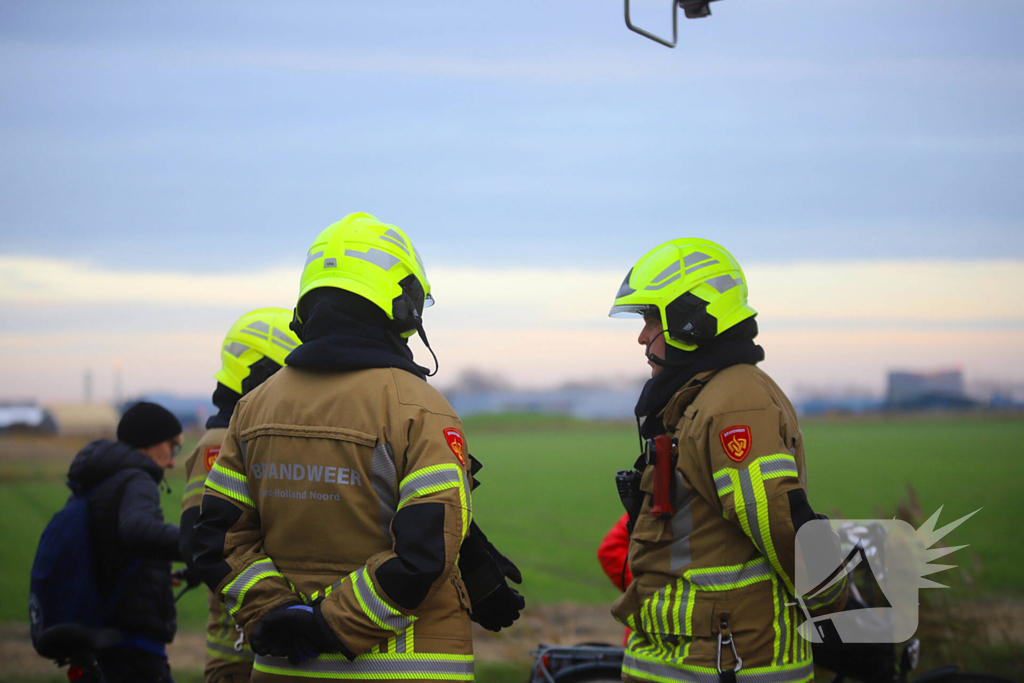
(613, 554)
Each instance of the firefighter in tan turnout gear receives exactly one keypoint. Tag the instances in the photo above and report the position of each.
(254, 349)
(713, 595)
(334, 515)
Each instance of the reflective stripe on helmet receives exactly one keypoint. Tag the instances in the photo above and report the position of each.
(262, 333)
(697, 268)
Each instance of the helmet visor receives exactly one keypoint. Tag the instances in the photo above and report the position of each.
(633, 311)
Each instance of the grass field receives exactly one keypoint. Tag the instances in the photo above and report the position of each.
(548, 494)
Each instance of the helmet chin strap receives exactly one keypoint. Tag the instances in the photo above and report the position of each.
(661, 362)
(426, 342)
(418, 326)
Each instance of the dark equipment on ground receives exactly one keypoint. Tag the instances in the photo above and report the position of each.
(693, 9)
(75, 646)
(587, 662)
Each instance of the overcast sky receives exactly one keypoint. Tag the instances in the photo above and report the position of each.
(179, 141)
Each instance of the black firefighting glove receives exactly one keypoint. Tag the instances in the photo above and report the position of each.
(496, 605)
(296, 631)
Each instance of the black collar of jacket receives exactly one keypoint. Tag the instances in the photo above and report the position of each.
(333, 339)
(102, 458)
(732, 347)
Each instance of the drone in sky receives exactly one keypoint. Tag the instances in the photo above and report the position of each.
(693, 9)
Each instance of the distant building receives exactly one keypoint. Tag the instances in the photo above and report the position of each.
(90, 420)
(480, 394)
(926, 391)
(26, 416)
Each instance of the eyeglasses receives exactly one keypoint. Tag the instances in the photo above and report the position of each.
(175, 449)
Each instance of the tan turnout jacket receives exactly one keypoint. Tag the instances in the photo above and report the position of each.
(320, 464)
(723, 564)
(228, 658)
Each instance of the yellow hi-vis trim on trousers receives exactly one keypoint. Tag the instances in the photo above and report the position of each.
(650, 668)
(379, 667)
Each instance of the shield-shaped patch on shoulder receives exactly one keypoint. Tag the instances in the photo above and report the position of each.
(736, 441)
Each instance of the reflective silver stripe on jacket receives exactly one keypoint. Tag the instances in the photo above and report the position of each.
(383, 480)
(723, 484)
(380, 612)
(231, 484)
(196, 484)
(726, 578)
(234, 592)
(777, 466)
(657, 671)
(429, 480)
(682, 527)
(402, 644)
(750, 510)
(781, 612)
(381, 667)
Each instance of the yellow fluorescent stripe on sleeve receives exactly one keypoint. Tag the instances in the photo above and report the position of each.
(740, 505)
(235, 592)
(435, 479)
(761, 496)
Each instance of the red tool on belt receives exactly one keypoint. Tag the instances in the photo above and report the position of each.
(660, 453)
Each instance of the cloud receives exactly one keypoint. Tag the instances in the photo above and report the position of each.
(821, 323)
(580, 65)
(888, 293)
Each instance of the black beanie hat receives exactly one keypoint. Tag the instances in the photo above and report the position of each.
(147, 424)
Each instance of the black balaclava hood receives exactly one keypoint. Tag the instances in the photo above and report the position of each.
(225, 398)
(344, 331)
(732, 347)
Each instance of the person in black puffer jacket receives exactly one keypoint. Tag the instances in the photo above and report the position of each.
(131, 539)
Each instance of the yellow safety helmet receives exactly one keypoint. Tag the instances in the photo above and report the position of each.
(696, 286)
(375, 260)
(258, 334)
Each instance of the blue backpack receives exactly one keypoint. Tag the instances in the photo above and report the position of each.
(64, 587)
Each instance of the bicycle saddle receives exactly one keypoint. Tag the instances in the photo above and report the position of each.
(64, 640)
